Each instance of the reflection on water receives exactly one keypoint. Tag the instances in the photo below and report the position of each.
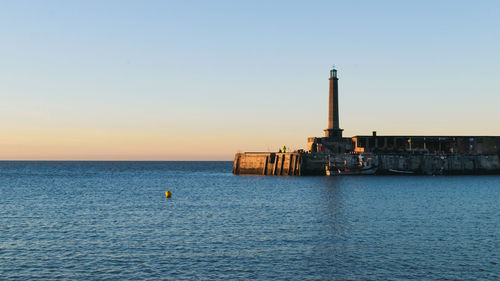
(97, 220)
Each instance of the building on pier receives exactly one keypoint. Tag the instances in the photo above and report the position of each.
(334, 142)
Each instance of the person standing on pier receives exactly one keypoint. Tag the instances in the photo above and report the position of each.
(284, 149)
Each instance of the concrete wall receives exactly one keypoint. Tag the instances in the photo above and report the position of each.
(304, 164)
(279, 164)
(447, 163)
(314, 164)
(428, 144)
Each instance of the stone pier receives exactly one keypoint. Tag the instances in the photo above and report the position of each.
(309, 164)
(267, 164)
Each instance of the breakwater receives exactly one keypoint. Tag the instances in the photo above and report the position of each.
(303, 164)
(276, 164)
(335, 154)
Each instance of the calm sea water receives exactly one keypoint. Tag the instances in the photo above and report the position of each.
(110, 220)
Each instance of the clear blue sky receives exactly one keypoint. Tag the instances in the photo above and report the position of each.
(201, 80)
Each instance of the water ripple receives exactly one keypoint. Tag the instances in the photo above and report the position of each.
(110, 220)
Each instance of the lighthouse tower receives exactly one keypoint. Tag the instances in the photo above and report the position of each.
(333, 132)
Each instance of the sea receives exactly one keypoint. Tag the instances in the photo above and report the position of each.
(112, 221)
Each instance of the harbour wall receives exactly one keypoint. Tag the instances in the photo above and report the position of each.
(267, 164)
(457, 164)
(306, 164)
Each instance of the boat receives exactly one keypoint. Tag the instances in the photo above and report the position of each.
(361, 166)
(349, 172)
(405, 172)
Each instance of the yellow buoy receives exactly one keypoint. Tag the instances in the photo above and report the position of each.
(168, 194)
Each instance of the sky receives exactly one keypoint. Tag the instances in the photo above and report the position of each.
(202, 80)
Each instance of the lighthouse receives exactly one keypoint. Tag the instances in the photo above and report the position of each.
(333, 132)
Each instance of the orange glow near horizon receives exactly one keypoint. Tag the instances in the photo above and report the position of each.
(121, 145)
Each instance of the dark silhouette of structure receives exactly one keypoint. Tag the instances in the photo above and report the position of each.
(336, 154)
(333, 132)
